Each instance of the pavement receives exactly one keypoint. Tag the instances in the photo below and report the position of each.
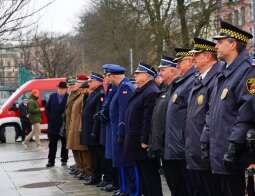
(23, 173)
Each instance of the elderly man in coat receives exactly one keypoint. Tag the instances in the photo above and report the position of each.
(138, 128)
(55, 109)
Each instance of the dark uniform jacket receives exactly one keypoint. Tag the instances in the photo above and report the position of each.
(55, 113)
(138, 121)
(229, 115)
(158, 125)
(118, 108)
(176, 117)
(198, 105)
(91, 118)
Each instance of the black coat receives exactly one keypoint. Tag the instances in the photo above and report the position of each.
(138, 121)
(230, 113)
(55, 113)
(91, 117)
(198, 105)
(176, 117)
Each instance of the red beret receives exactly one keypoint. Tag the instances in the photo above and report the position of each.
(81, 78)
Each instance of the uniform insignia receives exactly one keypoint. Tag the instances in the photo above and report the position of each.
(124, 92)
(250, 83)
(163, 96)
(200, 100)
(174, 97)
(110, 90)
(101, 99)
(224, 94)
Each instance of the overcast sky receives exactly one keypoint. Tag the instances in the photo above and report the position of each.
(61, 16)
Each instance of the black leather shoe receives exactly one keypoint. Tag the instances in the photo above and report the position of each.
(102, 184)
(75, 172)
(50, 164)
(63, 163)
(109, 188)
(92, 181)
(86, 178)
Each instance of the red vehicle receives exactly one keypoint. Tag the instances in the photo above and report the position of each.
(9, 115)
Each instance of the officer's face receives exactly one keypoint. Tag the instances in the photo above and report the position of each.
(224, 48)
(167, 73)
(62, 91)
(201, 60)
(141, 79)
(93, 84)
(185, 64)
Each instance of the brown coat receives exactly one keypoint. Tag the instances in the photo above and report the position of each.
(71, 98)
(73, 139)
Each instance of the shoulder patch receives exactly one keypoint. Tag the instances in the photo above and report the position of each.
(250, 84)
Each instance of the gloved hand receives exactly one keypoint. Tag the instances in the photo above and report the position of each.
(93, 136)
(204, 151)
(120, 139)
(232, 156)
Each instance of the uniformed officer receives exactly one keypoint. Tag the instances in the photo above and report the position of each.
(118, 107)
(138, 127)
(174, 150)
(168, 72)
(205, 60)
(229, 115)
(90, 134)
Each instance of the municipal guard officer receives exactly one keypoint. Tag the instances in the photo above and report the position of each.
(229, 115)
(90, 133)
(168, 72)
(118, 107)
(138, 127)
(205, 61)
(174, 151)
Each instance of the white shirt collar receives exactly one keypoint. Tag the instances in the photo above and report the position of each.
(205, 73)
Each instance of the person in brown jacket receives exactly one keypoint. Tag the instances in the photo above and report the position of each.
(80, 152)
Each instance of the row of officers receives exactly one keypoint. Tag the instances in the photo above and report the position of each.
(198, 121)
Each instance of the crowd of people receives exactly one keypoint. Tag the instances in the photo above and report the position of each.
(194, 117)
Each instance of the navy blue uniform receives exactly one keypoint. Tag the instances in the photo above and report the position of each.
(198, 105)
(174, 154)
(138, 128)
(228, 120)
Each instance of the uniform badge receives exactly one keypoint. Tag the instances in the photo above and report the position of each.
(110, 90)
(250, 84)
(124, 92)
(200, 100)
(174, 97)
(224, 94)
(163, 96)
(101, 99)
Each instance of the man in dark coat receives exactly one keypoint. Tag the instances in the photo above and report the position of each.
(138, 128)
(25, 124)
(174, 153)
(55, 109)
(230, 114)
(90, 133)
(205, 60)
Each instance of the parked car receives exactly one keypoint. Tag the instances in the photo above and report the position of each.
(9, 114)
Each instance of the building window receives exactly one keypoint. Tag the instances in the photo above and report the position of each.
(242, 17)
(236, 18)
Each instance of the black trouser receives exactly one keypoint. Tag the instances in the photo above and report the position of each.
(229, 185)
(111, 174)
(202, 182)
(177, 177)
(150, 181)
(53, 145)
(97, 161)
(26, 128)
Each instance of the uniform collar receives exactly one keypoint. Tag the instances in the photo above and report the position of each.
(215, 69)
(243, 56)
(138, 90)
(190, 72)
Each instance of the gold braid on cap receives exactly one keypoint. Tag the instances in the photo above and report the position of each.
(234, 34)
(205, 47)
(184, 54)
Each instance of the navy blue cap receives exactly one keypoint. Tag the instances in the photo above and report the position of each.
(167, 62)
(113, 69)
(144, 68)
(97, 77)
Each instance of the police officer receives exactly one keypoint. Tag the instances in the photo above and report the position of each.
(90, 133)
(118, 107)
(229, 114)
(138, 127)
(174, 150)
(205, 61)
(168, 72)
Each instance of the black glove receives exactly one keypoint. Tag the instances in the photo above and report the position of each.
(153, 153)
(231, 158)
(120, 139)
(204, 151)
